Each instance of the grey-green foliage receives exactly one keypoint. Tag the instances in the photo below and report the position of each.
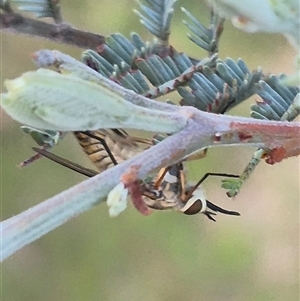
(212, 85)
(204, 37)
(279, 101)
(41, 8)
(216, 86)
(153, 69)
(156, 16)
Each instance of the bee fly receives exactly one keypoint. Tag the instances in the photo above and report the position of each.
(169, 190)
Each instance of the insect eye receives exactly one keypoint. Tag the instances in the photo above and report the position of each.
(194, 208)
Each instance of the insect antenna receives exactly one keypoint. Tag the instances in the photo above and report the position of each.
(219, 209)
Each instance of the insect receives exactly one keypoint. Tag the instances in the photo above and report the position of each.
(168, 190)
(173, 191)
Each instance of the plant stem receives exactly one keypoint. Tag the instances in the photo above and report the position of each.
(60, 33)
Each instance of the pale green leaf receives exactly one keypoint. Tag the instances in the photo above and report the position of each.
(49, 100)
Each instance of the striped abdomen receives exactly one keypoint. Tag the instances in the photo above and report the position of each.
(120, 145)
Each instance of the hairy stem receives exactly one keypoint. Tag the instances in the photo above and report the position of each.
(201, 131)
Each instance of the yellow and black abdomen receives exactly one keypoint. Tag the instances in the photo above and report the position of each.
(106, 148)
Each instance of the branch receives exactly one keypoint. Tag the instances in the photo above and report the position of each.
(202, 130)
(192, 128)
(60, 33)
(74, 98)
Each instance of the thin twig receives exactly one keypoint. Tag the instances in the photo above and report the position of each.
(60, 33)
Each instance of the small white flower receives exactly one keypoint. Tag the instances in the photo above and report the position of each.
(117, 200)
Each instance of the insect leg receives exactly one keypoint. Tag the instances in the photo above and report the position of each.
(215, 174)
(182, 181)
(160, 176)
(64, 162)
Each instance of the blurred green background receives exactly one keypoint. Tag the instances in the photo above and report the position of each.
(166, 256)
